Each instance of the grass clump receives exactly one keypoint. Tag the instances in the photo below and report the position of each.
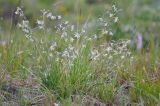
(58, 62)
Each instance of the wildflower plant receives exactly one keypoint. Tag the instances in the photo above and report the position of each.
(67, 57)
(54, 61)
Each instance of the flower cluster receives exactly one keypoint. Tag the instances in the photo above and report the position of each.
(108, 19)
(118, 49)
(69, 41)
(49, 15)
(24, 24)
(19, 12)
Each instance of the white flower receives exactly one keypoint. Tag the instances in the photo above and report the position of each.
(83, 31)
(116, 19)
(132, 57)
(25, 30)
(19, 12)
(66, 22)
(71, 39)
(111, 15)
(19, 25)
(40, 24)
(94, 54)
(25, 23)
(106, 24)
(44, 12)
(83, 46)
(110, 33)
(57, 59)
(101, 19)
(55, 104)
(49, 15)
(70, 47)
(64, 34)
(59, 17)
(104, 32)
(77, 35)
(95, 36)
(52, 47)
(89, 39)
(122, 57)
(109, 49)
(65, 54)
(50, 55)
(114, 8)
(53, 17)
(105, 55)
